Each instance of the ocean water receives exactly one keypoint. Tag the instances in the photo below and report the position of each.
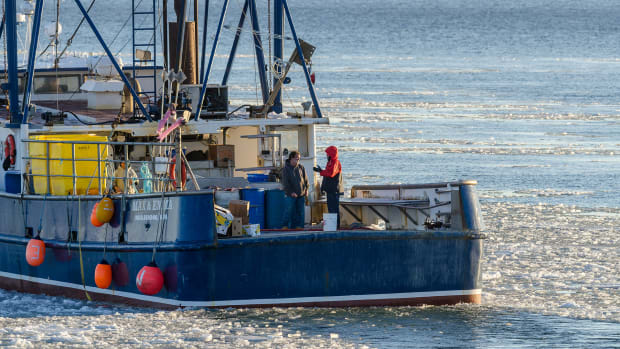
(522, 96)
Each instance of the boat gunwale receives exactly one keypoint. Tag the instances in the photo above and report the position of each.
(414, 186)
(264, 239)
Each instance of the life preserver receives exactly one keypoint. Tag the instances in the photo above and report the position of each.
(9, 149)
(172, 173)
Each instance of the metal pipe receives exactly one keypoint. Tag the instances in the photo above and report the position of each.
(73, 169)
(206, 77)
(258, 48)
(93, 142)
(10, 9)
(111, 56)
(164, 5)
(179, 164)
(233, 49)
(204, 40)
(2, 25)
(49, 184)
(278, 48)
(98, 168)
(181, 34)
(196, 34)
(127, 164)
(181, 19)
(303, 61)
(36, 24)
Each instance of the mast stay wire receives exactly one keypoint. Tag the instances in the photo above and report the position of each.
(114, 40)
(56, 41)
(270, 79)
(70, 40)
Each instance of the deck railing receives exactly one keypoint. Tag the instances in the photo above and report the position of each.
(47, 171)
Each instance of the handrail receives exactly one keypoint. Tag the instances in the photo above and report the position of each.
(94, 142)
(106, 179)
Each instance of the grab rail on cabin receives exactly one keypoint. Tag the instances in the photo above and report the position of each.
(65, 167)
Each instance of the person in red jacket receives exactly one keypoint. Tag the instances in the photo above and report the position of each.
(332, 180)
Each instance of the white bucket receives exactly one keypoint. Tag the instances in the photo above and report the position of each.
(330, 221)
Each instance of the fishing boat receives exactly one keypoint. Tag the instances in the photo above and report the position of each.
(145, 186)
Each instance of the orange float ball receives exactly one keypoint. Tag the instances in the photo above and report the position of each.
(103, 274)
(105, 210)
(35, 252)
(93, 217)
(150, 279)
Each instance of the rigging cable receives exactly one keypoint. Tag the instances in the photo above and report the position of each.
(70, 41)
(56, 41)
(6, 73)
(80, 249)
(270, 80)
(161, 225)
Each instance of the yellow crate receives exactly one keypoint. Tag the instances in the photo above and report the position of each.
(83, 152)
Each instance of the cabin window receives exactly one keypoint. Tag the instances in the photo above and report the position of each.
(51, 84)
(290, 141)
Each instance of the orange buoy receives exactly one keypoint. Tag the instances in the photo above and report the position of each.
(150, 279)
(35, 251)
(93, 217)
(103, 274)
(104, 210)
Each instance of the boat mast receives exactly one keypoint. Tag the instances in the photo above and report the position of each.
(278, 48)
(249, 6)
(36, 24)
(272, 99)
(302, 59)
(203, 91)
(10, 9)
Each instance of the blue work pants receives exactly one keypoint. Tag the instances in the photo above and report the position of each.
(295, 212)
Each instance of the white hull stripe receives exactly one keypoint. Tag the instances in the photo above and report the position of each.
(263, 301)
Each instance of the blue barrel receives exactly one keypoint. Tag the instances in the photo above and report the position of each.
(256, 197)
(12, 182)
(274, 208)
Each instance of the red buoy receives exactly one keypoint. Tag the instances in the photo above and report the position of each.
(120, 273)
(150, 279)
(171, 278)
(312, 78)
(35, 251)
(103, 274)
(93, 217)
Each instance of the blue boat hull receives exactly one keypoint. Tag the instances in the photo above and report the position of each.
(344, 268)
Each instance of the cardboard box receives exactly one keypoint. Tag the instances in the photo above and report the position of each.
(240, 209)
(222, 154)
(237, 227)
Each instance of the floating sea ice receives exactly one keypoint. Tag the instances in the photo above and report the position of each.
(569, 305)
(491, 275)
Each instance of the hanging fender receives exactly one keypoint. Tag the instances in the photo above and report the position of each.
(172, 172)
(9, 149)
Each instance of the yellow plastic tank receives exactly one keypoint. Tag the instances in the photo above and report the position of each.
(86, 164)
